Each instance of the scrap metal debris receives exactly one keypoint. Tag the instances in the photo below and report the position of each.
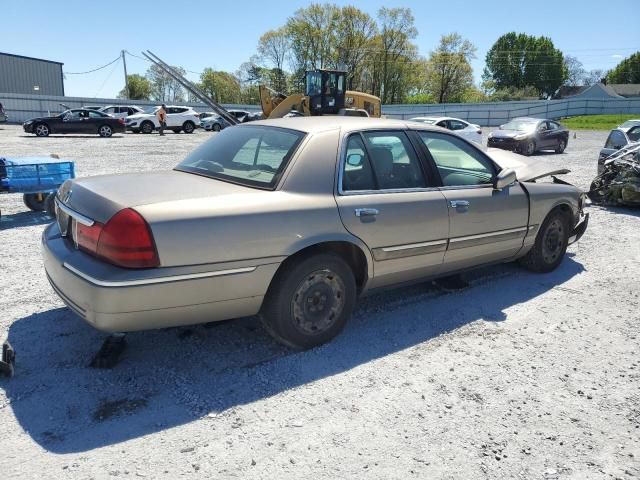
(8, 360)
(619, 183)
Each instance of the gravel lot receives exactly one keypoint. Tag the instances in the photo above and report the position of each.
(518, 376)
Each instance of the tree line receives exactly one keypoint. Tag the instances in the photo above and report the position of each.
(380, 57)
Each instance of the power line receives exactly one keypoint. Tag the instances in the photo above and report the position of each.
(95, 69)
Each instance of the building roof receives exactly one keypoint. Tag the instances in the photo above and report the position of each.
(626, 89)
(30, 58)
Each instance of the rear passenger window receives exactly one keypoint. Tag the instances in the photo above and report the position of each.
(387, 162)
(458, 163)
(456, 125)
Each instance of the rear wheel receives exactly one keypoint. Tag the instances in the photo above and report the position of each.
(41, 130)
(309, 303)
(35, 201)
(216, 127)
(188, 126)
(551, 244)
(146, 127)
(562, 144)
(105, 131)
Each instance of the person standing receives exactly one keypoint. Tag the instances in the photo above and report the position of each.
(161, 115)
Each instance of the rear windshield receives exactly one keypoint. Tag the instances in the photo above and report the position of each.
(248, 155)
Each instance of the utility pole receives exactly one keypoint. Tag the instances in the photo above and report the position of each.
(126, 78)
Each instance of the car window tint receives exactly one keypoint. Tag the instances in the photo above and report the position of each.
(443, 124)
(93, 114)
(393, 160)
(252, 155)
(357, 173)
(553, 125)
(457, 125)
(458, 163)
(634, 134)
(616, 140)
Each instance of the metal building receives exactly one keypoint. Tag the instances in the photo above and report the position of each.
(33, 76)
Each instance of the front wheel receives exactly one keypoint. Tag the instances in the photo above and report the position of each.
(562, 144)
(188, 127)
(35, 201)
(528, 148)
(309, 303)
(42, 130)
(146, 127)
(105, 131)
(551, 244)
(216, 127)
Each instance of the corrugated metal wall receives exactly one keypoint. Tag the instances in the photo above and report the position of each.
(24, 75)
(23, 107)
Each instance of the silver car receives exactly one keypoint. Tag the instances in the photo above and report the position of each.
(294, 219)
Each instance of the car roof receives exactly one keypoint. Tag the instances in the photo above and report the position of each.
(345, 123)
(437, 119)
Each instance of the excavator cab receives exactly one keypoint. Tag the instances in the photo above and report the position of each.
(326, 91)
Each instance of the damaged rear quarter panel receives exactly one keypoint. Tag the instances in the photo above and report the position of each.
(544, 197)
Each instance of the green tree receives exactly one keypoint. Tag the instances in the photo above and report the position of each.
(221, 86)
(139, 88)
(627, 71)
(519, 60)
(449, 73)
(273, 47)
(354, 33)
(163, 87)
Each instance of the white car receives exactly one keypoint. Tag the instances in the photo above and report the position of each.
(121, 111)
(178, 119)
(465, 129)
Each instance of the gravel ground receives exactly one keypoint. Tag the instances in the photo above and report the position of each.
(518, 376)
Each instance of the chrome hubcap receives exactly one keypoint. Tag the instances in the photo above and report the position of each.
(552, 241)
(318, 302)
(105, 131)
(42, 130)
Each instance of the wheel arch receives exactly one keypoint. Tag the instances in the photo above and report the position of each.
(355, 254)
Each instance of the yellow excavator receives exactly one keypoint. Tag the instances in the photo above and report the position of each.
(325, 94)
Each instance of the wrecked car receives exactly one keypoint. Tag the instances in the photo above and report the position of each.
(618, 184)
(294, 219)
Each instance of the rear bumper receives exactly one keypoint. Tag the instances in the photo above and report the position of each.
(579, 229)
(113, 299)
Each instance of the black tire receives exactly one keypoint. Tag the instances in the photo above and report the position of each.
(49, 205)
(309, 303)
(550, 245)
(147, 127)
(188, 126)
(35, 201)
(105, 131)
(41, 130)
(562, 144)
(528, 148)
(216, 127)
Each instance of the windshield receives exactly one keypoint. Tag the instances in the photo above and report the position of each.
(630, 123)
(520, 125)
(249, 155)
(151, 110)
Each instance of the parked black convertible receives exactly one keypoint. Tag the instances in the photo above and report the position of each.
(529, 135)
(77, 120)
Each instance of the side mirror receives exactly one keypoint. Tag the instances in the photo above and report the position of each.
(354, 160)
(505, 178)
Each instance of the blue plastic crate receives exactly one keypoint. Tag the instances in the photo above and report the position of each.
(34, 174)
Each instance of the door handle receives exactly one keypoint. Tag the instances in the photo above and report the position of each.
(459, 203)
(366, 212)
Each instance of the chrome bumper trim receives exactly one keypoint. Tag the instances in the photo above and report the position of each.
(152, 281)
(72, 213)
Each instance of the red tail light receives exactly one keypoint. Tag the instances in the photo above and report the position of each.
(125, 240)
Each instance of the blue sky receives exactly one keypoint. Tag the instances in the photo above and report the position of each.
(223, 34)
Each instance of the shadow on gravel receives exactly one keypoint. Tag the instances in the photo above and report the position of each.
(24, 219)
(171, 377)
